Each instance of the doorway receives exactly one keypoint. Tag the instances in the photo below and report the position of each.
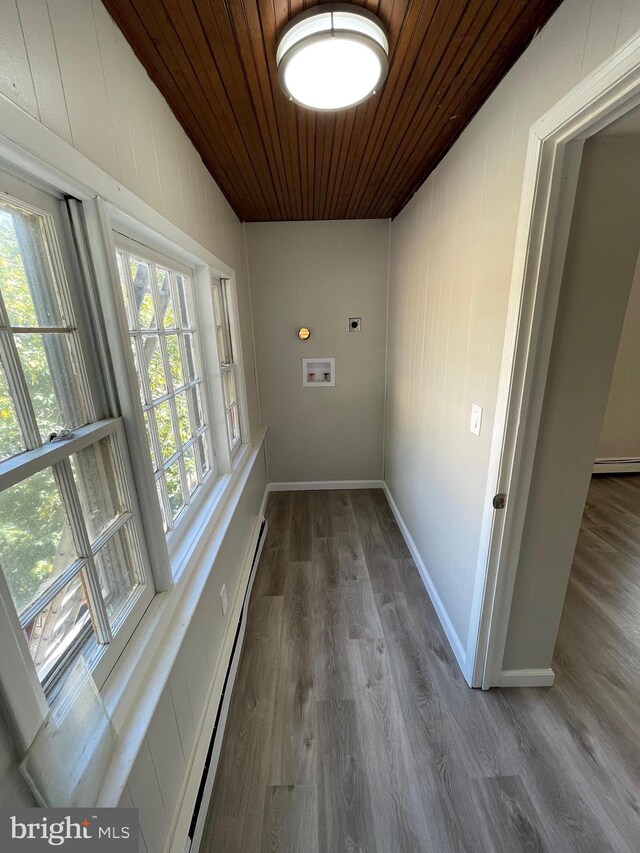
(578, 245)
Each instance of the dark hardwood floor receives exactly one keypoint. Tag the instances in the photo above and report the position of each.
(351, 728)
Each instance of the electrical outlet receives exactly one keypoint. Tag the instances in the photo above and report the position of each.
(476, 419)
(355, 324)
(223, 598)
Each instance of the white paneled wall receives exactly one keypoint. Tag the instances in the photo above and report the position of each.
(155, 784)
(451, 257)
(66, 63)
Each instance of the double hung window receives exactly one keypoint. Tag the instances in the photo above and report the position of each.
(160, 309)
(74, 573)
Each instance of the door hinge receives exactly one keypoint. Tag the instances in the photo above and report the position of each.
(500, 500)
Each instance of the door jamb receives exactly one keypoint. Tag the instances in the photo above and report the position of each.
(549, 188)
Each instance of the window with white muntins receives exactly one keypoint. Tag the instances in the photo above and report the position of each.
(74, 571)
(160, 311)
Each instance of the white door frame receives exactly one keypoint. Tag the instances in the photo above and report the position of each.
(550, 181)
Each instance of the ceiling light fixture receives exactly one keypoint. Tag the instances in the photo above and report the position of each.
(332, 57)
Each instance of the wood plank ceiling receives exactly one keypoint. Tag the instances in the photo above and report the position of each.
(214, 62)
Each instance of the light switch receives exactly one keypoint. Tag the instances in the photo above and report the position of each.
(476, 419)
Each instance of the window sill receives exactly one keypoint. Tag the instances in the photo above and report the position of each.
(133, 689)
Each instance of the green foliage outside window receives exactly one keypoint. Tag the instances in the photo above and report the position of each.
(31, 515)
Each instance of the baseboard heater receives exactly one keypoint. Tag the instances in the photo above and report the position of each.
(208, 772)
(629, 465)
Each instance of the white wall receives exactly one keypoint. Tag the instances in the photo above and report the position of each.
(451, 257)
(318, 274)
(620, 436)
(66, 64)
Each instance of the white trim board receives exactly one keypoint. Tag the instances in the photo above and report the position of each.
(263, 505)
(321, 485)
(443, 616)
(525, 678)
(616, 466)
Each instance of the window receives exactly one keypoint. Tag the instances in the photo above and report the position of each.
(70, 550)
(164, 340)
(228, 366)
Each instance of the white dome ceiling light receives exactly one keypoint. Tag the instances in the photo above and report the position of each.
(332, 57)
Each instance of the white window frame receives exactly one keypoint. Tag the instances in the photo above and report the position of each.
(228, 304)
(151, 255)
(119, 226)
(26, 702)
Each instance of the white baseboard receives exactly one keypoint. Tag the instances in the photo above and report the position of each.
(177, 835)
(443, 616)
(616, 466)
(525, 678)
(320, 485)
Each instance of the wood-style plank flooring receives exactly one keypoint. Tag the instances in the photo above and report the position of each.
(351, 728)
